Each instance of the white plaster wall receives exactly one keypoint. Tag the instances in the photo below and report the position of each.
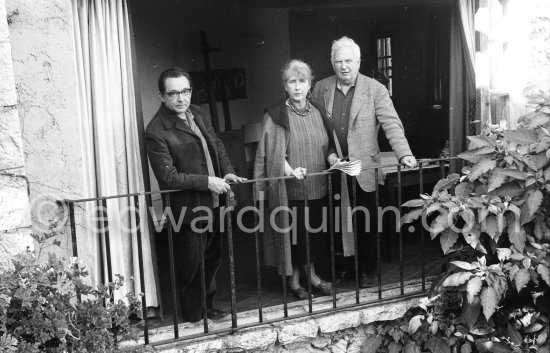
(14, 201)
(45, 75)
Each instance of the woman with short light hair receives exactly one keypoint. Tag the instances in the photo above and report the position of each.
(294, 142)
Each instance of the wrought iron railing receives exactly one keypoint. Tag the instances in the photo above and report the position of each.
(439, 166)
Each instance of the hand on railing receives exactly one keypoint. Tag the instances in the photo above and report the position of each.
(299, 173)
(232, 178)
(218, 185)
(409, 161)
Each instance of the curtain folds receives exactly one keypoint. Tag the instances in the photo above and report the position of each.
(462, 90)
(109, 139)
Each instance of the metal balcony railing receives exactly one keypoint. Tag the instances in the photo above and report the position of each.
(437, 166)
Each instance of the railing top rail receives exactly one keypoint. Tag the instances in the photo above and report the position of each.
(160, 192)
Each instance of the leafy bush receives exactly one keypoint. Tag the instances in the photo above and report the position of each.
(493, 224)
(49, 307)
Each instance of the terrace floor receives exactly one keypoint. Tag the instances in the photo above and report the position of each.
(272, 292)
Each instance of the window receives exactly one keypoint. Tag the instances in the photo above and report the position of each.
(384, 56)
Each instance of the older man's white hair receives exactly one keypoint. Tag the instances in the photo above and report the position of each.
(342, 43)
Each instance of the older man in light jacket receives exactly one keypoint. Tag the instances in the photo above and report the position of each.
(357, 106)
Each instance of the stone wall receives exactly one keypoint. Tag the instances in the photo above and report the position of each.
(14, 200)
(332, 332)
(45, 76)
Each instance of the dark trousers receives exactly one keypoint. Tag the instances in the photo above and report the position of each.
(317, 240)
(366, 230)
(187, 259)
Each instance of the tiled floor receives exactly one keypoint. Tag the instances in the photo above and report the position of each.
(271, 283)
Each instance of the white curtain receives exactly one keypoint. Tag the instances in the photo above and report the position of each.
(462, 90)
(109, 139)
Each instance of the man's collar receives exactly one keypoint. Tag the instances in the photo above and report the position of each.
(339, 85)
(170, 118)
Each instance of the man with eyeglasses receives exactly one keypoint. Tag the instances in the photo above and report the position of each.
(185, 154)
(357, 106)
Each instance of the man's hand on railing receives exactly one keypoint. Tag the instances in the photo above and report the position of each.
(409, 161)
(232, 178)
(218, 185)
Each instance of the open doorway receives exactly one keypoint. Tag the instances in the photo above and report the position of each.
(258, 37)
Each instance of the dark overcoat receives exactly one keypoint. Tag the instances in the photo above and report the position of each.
(178, 160)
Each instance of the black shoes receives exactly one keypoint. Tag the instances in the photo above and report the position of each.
(365, 281)
(215, 314)
(343, 276)
(325, 288)
(300, 293)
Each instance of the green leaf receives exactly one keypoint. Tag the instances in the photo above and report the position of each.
(496, 281)
(472, 235)
(468, 216)
(522, 136)
(481, 151)
(514, 271)
(439, 224)
(436, 206)
(372, 343)
(466, 348)
(471, 156)
(463, 265)
(445, 183)
(542, 338)
(522, 278)
(496, 179)
(488, 346)
(456, 279)
(513, 173)
(516, 235)
(533, 201)
(482, 330)
(483, 214)
(537, 161)
(544, 273)
(411, 216)
(394, 347)
(438, 345)
(509, 189)
(489, 301)
(480, 141)
(473, 287)
(481, 167)
(464, 190)
(503, 254)
(489, 226)
(536, 121)
(414, 203)
(415, 323)
(447, 239)
(534, 327)
(411, 347)
(396, 334)
(514, 335)
(470, 311)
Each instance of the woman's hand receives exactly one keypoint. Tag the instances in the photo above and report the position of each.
(299, 173)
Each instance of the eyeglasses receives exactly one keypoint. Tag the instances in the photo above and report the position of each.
(175, 94)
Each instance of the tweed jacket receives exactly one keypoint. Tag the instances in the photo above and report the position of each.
(371, 108)
(177, 159)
